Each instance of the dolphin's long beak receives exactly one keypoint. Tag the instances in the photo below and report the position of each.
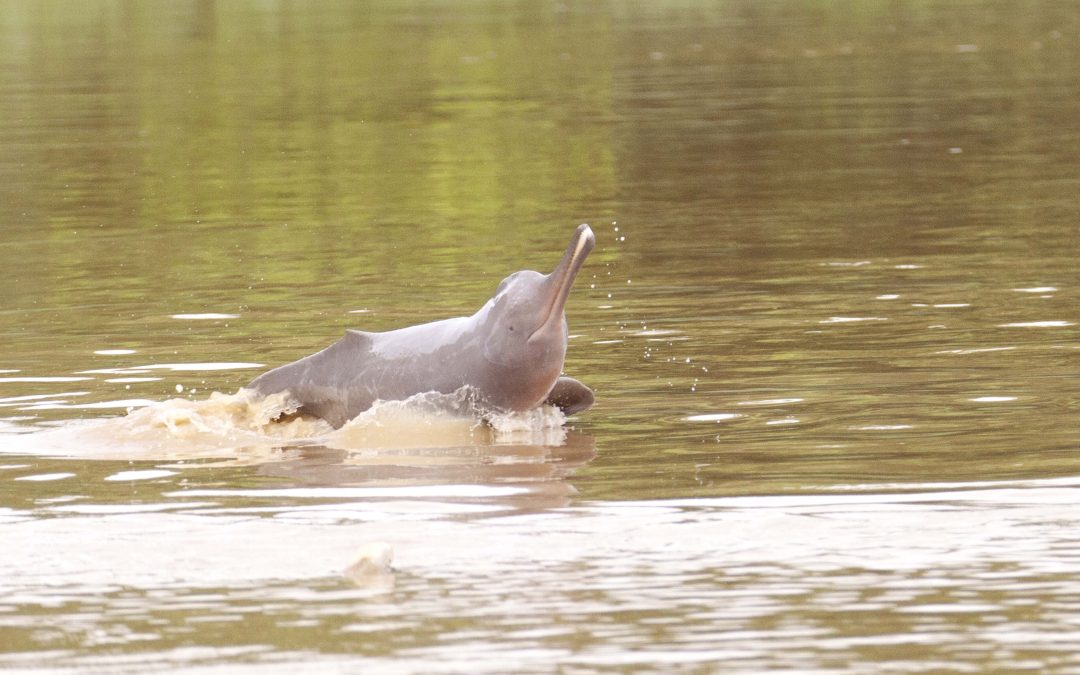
(562, 277)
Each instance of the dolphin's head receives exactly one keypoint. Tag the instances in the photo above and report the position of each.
(526, 324)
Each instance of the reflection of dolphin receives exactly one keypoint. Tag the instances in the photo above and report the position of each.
(481, 464)
(510, 353)
(538, 474)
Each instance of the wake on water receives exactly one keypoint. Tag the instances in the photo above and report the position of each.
(248, 424)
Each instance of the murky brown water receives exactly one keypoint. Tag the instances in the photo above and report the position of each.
(831, 320)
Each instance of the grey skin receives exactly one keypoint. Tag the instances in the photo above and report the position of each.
(510, 353)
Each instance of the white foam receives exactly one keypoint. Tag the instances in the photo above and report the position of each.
(219, 426)
(539, 426)
(419, 421)
(250, 428)
(431, 419)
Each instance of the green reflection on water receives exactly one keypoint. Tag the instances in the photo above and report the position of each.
(760, 175)
(769, 165)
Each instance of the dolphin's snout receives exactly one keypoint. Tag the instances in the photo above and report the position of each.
(581, 244)
(562, 277)
(585, 239)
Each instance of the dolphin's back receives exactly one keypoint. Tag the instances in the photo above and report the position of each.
(321, 383)
(347, 377)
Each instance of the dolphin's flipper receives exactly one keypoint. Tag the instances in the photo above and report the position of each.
(570, 396)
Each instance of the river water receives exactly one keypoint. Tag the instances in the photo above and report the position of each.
(831, 321)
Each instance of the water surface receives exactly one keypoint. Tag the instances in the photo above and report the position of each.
(831, 320)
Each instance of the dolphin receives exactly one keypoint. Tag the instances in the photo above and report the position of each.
(509, 353)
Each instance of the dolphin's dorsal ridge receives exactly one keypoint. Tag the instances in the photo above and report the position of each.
(357, 336)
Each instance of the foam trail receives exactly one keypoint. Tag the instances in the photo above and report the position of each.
(250, 428)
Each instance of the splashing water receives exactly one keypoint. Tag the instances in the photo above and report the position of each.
(249, 427)
(446, 420)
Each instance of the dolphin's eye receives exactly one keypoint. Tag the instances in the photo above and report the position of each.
(511, 328)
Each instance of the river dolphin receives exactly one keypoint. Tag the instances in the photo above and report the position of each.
(509, 353)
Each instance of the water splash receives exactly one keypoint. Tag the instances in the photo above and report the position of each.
(249, 427)
(432, 419)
